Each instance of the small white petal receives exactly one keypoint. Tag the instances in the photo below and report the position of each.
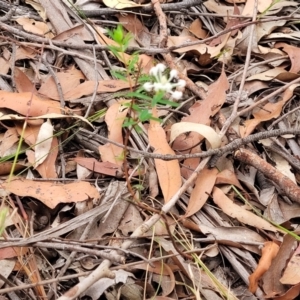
(153, 71)
(181, 83)
(176, 95)
(160, 67)
(173, 74)
(148, 86)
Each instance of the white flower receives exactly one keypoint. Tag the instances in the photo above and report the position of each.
(176, 95)
(162, 83)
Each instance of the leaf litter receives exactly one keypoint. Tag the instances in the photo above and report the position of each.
(98, 186)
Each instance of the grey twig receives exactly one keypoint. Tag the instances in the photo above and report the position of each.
(231, 147)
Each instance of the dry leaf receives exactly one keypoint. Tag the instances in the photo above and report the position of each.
(291, 274)
(46, 116)
(201, 49)
(82, 172)
(168, 172)
(51, 193)
(33, 26)
(271, 279)
(5, 167)
(201, 112)
(68, 79)
(120, 4)
(23, 83)
(212, 137)
(203, 186)
(269, 252)
(196, 28)
(114, 119)
(106, 168)
(267, 112)
(47, 169)
(87, 88)
(239, 213)
(24, 103)
(140, 32)
(294, 54)
(9, 138)
(43, 143)
(250, 6)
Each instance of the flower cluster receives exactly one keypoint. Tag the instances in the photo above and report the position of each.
(164, 84)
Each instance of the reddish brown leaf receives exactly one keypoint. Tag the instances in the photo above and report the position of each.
(291, 274)
(271, 279)
(92, 164)
(23, 83)
(168, 172)
(114, 119)
(203, 186)
(269, 252)
(28, 102)
(294, 55)
(47, 169)
(51, 193)
(238, 212)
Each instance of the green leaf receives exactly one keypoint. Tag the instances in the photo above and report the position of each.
(168, 102)
(119, 75)
(118, 34)
(145, 115)
(128, 122)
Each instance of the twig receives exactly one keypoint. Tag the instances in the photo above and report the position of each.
(143, 9)
(247, 62)
(287, 185)
(231, 147)
(96, 86)
(57, 84)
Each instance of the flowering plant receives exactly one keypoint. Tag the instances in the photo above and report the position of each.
(154, 88)
(164, 84)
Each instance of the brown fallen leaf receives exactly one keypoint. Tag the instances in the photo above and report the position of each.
(9, 138)
(267, 112)
(104, 86)
(114, 119)
(293, 53)
(24, 103)
(50, 193)
(203, 186)
(291, 273)
(23, 83)
(228, 177)
(47, 169)
(87, 88)
(30, 133)
(271, 279)
(68, 79)
(269, 252)
(120, 4)
(106, 168)
(5, 167)
(196, 28)
(36, 27)
(239, 213)
(200, 49)
(292, 293)
(168, 172)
